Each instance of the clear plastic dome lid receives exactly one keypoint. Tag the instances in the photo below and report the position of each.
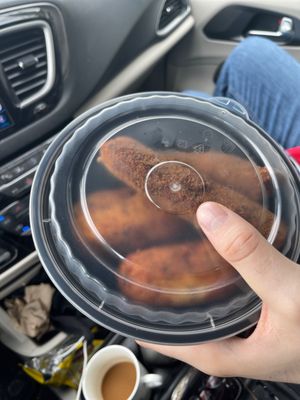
(123, 200)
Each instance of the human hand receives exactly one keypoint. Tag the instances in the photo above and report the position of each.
(272, 352)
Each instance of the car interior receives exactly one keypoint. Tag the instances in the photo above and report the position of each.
(61, 59)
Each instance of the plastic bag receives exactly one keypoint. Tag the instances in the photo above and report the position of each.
(62, 366)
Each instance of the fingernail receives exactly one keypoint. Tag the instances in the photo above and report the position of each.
(211, 216)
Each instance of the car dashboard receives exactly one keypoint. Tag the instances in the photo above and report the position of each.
(58, 59)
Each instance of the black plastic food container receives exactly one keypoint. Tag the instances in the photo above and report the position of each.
(113, 214)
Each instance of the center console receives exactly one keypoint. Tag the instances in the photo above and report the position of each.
(19, 263)
(15, 182)
(16, 179)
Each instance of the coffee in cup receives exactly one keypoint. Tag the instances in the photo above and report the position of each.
(119, 381)
(114, 373)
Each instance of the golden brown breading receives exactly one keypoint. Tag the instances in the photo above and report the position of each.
(228, 170)
(192, 194)
(130, 161)
(182, 274)
(128, 221)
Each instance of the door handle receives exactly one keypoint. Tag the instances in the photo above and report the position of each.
(283, 34)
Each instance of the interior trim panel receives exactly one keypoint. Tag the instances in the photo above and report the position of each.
(88, 57)
(193, 62)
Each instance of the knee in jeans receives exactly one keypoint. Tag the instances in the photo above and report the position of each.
(260, 50)
(252, 61)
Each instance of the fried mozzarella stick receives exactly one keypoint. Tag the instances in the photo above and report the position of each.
(178, 274)
(127, 221)
(126, 158)
(228, 170)
(130, 161)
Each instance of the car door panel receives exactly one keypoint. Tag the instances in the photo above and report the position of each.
(192, 64)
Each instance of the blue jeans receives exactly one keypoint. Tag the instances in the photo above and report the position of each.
(266, 81)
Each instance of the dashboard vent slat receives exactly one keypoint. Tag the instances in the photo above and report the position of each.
(30, 78)
(172, 10)
(13, 75)
(26, 62)
(29, 88)
(19, 45)
(17, 55)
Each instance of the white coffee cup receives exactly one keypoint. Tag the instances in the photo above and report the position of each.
(105, 359)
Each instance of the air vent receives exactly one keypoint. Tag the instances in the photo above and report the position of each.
(27, 58)
(173, 12)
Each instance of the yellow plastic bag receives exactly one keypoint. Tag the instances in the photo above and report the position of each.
(62, 366)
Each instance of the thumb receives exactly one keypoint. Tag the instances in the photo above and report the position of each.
(267, 272)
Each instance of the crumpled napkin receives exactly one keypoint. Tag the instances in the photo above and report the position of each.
(30, 314)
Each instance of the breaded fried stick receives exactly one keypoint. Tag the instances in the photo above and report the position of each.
(127, 158)
(127, 221)
(228, 170)
(179, 274)
(132, 163)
